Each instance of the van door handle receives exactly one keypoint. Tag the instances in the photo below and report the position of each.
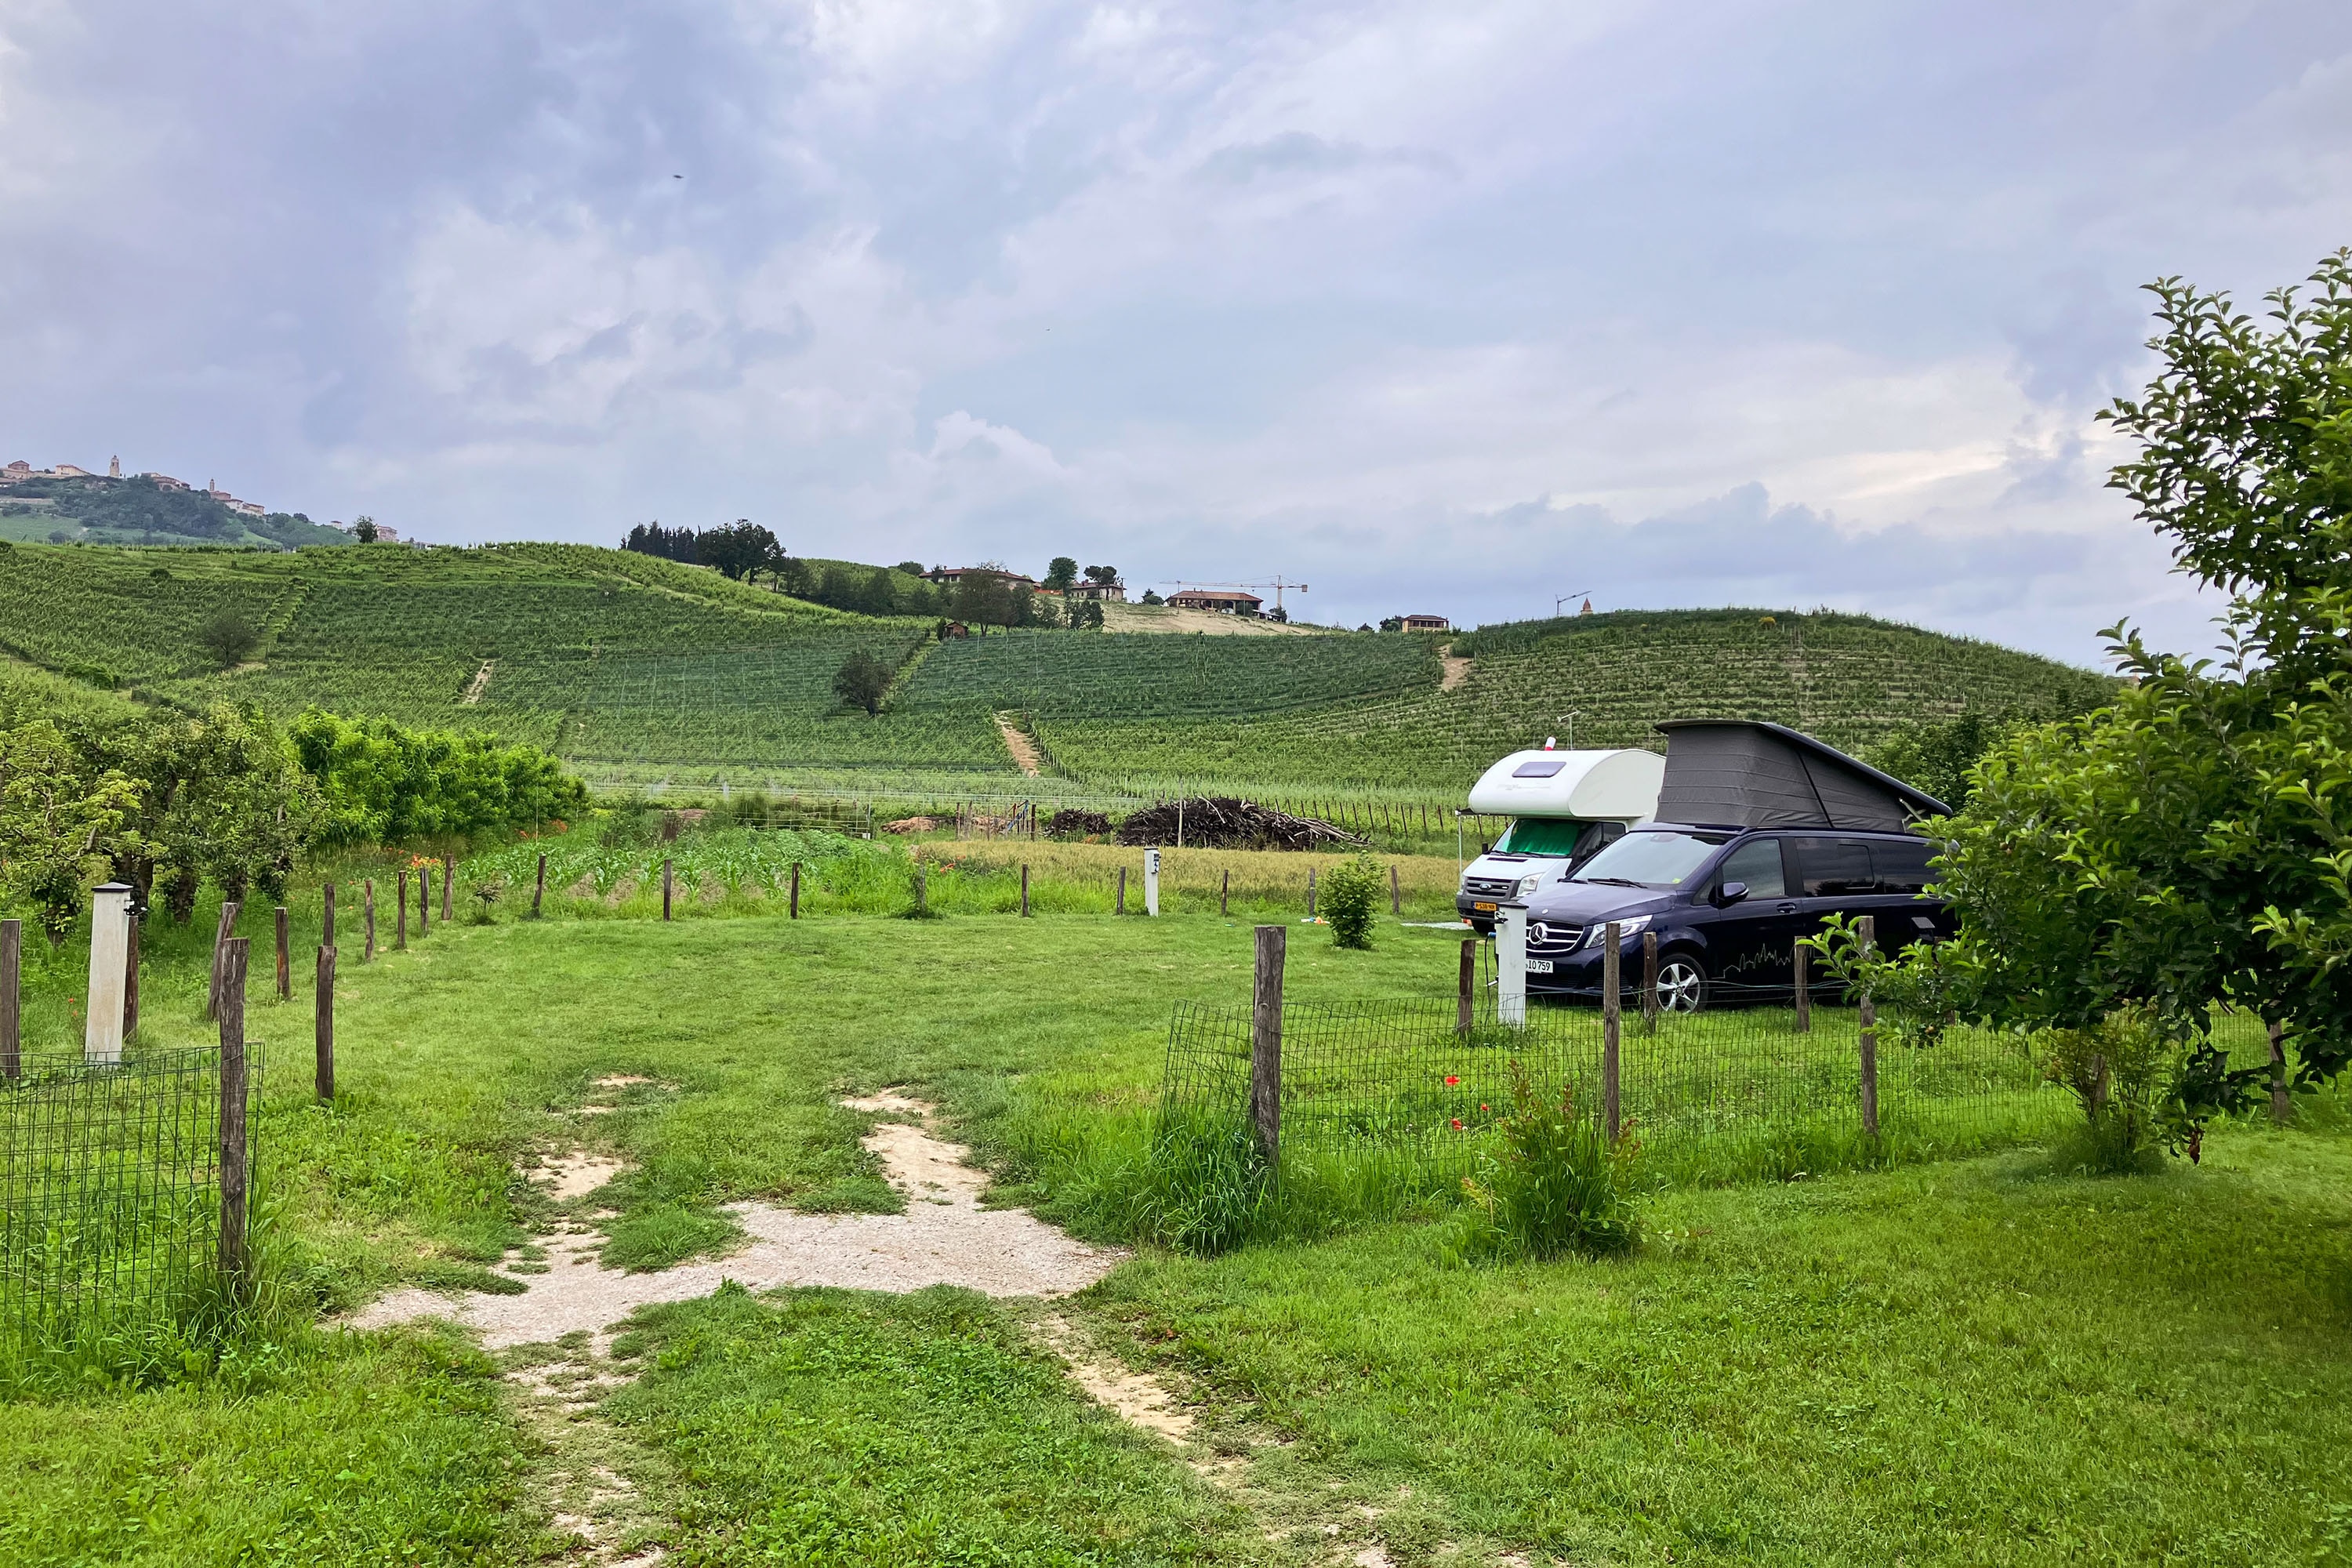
(1784, 909)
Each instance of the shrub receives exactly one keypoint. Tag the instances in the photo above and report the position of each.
(862, 682)
(1351, 895)
(1557, 1189)
(2122, 1070)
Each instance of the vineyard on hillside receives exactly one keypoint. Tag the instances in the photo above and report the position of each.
(1846, 679)
(642, 671)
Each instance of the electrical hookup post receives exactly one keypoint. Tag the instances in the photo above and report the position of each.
(1511, 965)
(1152, 882)
(109, 954)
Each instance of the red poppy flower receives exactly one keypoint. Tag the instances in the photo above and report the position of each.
(1451, 1079)
(1458, 1124)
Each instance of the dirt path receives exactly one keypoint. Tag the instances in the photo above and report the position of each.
(945, 1238)
(1457, 671)
(1017, 741)
(481, 684)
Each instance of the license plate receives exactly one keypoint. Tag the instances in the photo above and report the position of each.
(1484, 908)
(1538, 966)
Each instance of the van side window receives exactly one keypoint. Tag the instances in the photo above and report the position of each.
(1758, 864)
(1903, 868)
(1830, 868)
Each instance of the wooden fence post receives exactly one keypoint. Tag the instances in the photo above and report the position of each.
(448, 882)
(1225, 893)
(1803, 995)
(1867, 926)
(324, 1029)
(284, 960)
(1025, 889)
(1122, 906)
(1396, 894)
(669, 886)
(424, 898)
(539, 889)
(1649, 983)
(2282, 1107)
(12, 1017)
(1612, 1003)
(233, 1148)
(1468, 985)
(400, 915)
(1266, 1044)
(327, 919)
(367, 921)
(796, 889)
(220, 939)
(1311, 892)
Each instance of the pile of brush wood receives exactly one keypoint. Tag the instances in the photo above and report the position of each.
(1070, 823)
(1222, 822)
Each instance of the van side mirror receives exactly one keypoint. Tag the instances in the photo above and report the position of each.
(1731, 893)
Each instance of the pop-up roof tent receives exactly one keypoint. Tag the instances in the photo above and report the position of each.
(1742, 772)
(1589, 786)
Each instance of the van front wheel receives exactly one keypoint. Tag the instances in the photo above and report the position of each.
(1682, 984)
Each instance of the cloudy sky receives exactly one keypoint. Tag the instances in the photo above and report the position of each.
(1451, 308)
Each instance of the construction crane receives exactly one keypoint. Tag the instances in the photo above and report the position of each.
(1277, 586)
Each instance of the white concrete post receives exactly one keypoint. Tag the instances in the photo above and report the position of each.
(109, 950)
(1511, 964)
(1152, 881)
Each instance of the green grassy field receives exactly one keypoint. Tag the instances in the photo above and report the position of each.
(1963, 1362)
(641, 672)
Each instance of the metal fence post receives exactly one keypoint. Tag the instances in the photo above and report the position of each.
(233, 1145)
(324, 1028)
(1867, 926)
(1803, 995)
(669, 887)
(1465, 986)
(367, 921)
(796, 889)
(1649, 983)
(12, 1018)
(1120, 907)
(1266, 1044)
(1612, 1010)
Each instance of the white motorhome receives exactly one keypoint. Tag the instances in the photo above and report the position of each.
(1563, 806)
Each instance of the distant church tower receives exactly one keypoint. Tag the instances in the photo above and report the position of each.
(114, 468)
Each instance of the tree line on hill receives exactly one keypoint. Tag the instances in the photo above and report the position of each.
(169, 801)
(138, 506)
(984, 596)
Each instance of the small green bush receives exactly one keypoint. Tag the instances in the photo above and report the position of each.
(1351, 895)
(2122, 1070)
(1558, 1188)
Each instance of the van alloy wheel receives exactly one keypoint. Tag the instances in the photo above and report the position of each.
(1682, 985)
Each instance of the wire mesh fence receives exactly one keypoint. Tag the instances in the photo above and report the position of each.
(1722, 1091)
(109, 1192)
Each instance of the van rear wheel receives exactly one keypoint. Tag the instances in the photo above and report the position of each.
(1682, 984)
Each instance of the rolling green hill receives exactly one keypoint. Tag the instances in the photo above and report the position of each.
(638, 669)
(94, 509)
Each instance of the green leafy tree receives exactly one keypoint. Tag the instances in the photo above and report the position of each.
(2191, 844)
(382, 783)
(1102, 576)
(1061, 573)
(1351, 897)
(229, 636)
(62, 818)
(862, 682)
(740, 549)
(1938, 755)
(364, 530)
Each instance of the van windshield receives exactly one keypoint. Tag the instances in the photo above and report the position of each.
(1650, 859)
(1541, 835)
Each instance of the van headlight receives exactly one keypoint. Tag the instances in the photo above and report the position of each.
(1529, 884)
(1625, 927)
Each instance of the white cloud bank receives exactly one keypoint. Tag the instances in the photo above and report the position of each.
(1448, 309)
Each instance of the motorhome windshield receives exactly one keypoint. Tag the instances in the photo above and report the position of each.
(1541, 836)
(1649, 859)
